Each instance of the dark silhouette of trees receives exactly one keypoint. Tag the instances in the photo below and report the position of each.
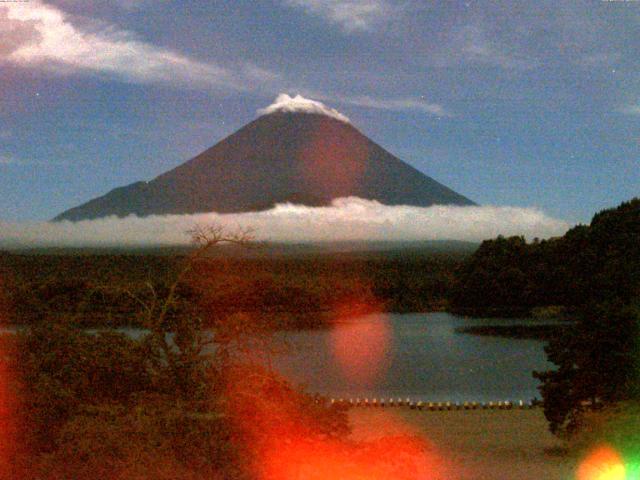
(594, 263)
(597, 365)
(292, 290)
(594, 272)
(495, 280)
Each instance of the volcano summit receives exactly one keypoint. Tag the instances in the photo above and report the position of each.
(297, 151)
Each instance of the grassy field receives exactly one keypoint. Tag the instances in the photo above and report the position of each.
(477, 445)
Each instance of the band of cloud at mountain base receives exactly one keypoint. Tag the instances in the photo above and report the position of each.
(346, 219)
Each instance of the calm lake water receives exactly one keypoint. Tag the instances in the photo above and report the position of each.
(410, 355)
(418, 356)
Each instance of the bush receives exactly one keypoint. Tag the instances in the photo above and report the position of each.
(152, 438)
(63, 368)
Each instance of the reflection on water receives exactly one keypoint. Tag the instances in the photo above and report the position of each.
(421, 357)
(425, 360)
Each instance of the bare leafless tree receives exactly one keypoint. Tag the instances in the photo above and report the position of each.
(176, 347)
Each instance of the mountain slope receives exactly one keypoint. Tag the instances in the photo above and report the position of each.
(297, 157)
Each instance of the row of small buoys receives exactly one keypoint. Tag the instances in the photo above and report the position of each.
(434, 406)
(375, 402)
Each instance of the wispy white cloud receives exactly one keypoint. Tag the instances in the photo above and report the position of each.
(129, 5)
(345, 219)
(472, 43)
(397, 104)
(35, 34)
(6, 159)
(598, 59)
(351, 15)
(477, 46)
(285, 103)
(630, 109)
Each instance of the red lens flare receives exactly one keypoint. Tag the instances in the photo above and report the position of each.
(360, 344)
(7, 424)
(396, 458)
(7, 399)
(333, 159)
(285, 440)
(602, 463)
(281, 434)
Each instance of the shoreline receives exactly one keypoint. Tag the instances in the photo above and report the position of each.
(542, 331)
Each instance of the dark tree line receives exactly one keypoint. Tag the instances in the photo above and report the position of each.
(294, 292)
(595, 263)
(593, 272)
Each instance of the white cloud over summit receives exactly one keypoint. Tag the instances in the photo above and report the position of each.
(345, 219)
(285, 103)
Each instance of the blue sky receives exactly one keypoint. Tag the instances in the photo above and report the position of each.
(509, 103)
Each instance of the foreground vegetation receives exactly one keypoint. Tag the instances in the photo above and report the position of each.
(178, 403)
(107, 406)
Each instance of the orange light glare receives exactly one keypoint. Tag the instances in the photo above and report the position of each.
(603, 463)
(361, 348)
(7, 398)
(391, 457)
(6, 419)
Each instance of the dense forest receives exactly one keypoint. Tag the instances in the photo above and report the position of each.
(589, 264)
(591, 275)
(293, 291)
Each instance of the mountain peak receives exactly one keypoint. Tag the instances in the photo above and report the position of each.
(300, 104)
(300, 151)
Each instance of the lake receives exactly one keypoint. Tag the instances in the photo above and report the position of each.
(414, 355)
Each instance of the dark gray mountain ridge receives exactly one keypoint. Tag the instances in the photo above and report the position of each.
(295, 157)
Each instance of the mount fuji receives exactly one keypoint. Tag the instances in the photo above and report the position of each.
(297, 151)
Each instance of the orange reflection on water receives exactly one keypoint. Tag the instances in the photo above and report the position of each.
(281, 434)
(602, 463)
(361, 344)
